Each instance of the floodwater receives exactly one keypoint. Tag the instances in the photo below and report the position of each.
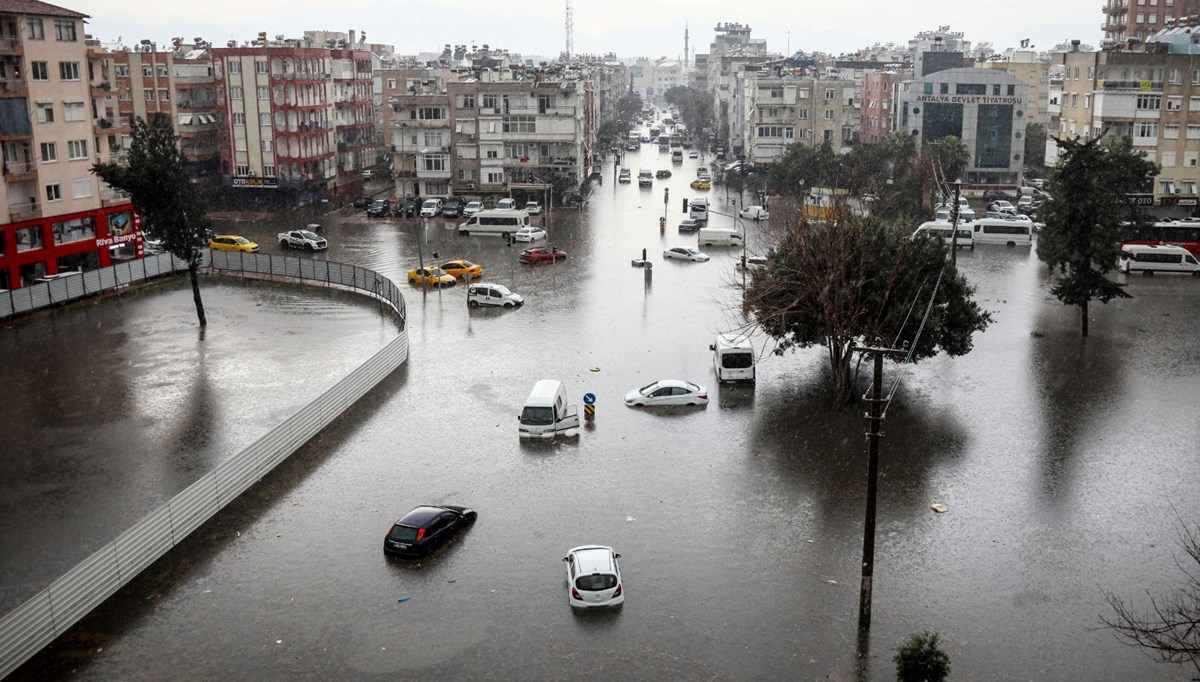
(1062, 460)
(112, 407)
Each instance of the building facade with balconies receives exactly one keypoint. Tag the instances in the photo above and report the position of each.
(774, 108)
(879, 104)
(277, 117)
(1137, 20)
(354, 107)
(1151, 98)
(57, 216)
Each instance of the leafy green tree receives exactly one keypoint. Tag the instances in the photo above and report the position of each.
(949, 156)
(695, 108)
(628, 109)
(802, 167)
(838, 284)
(157, 182)
(920, 659)
(1035, 145)
(1084, 217)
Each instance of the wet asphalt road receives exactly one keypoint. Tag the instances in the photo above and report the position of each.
(740, 524)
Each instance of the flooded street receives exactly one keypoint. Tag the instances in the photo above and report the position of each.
(1061, 460)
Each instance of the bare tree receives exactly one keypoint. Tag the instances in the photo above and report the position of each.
(1169, 628)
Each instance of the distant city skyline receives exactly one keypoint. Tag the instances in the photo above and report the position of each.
(625, 27)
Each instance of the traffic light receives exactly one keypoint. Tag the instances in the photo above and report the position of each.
(685, 205)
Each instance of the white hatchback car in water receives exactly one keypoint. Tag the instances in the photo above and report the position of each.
(593, 577)
(667, 392)
(529, 234)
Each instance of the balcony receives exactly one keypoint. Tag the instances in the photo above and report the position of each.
(433, 174)
(111, 197)
(24, 211)
(101, 89)
(1144, 86)
(10, 45)
(20, 171)
(13, 87)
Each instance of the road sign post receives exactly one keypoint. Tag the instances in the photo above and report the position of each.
(589, 406)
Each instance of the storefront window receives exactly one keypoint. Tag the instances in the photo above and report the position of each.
(80, 261)
(120, 223)
(941, 120)
(75, 230)
(29, 238)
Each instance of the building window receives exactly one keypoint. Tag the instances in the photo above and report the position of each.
(1174, 103)
(260, 66)
(829, 136)
(40, 71)
(268, 171)
(1141, 18)
(74, 112)
(64, 30)
(1173, 77)
(264, 92)
(829, 114)
(49, 152)
(1145, 129)
(53, 192)
(433, 139)
(45, 112)
(1153, 17)
(148, 94)
(36, 30)
(1151, 102)
(1075, 99)
(777, 93)
(1193, 132)
(973, 89)
(428, 114)
(161, 70)
(239, 144)
(242, 171)
(829, 94)
(147, 72)
(264, 119)
(520, 124)
(235, 92)
(77, 149)
(1166, 186)
(435, 162)
(494, 177)
(493, 154)
(491, 101)
(1087, 101)
(1168, 159)
(1190, 159)
(81, 188)
(164, 95)
(802, 114)
(122, 70)
(235, 66)
(466, 101)
(266, 144)
(239, 119)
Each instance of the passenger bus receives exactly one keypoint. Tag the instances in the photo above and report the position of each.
(1151, 258)
(1185, 234)
(503, 222)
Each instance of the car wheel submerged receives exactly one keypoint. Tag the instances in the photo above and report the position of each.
(473, 304)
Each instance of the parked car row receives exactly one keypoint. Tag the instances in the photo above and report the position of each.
(432, 208)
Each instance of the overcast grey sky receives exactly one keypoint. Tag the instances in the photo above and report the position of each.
(631, 28)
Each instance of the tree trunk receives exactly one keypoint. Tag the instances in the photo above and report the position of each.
(1083, 308)
(839, 358)
(194, 274)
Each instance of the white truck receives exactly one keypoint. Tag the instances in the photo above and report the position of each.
(303, 239)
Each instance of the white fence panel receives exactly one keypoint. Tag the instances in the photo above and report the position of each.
(25, 631)
(143, 544)
(83, 587)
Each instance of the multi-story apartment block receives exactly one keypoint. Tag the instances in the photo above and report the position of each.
(731, 51)
(1026, 66)
(879, 103)
(775, 108)
(57, 216)
(1152, 98)
(294, 132)
(651, 78)
(1137, 20)
(984, 108)
(484, 128)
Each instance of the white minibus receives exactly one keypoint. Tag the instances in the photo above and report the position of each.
(1151, 258)
(496, 221)
(1001, 231)
(937, 228)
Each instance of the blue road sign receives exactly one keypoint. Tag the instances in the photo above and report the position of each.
(589, 398)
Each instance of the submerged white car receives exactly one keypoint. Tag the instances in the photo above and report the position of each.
(486, 293)
(667, 392)
(755, 213)
(472, 208)
(529, 234)
(685, 253)
(593, 577)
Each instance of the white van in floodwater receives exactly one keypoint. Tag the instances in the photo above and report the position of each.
(944, 231)
(733, 358)
(1002, 231)
(718, 236)
(496, 221)
(546, 413)
(1151, 258)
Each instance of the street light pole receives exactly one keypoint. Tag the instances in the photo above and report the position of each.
(954, 225)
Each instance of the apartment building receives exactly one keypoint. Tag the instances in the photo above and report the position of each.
(354, 123)
(652, 78)
(1026, 66)
(879, 103)
(1137, 20)
(57, 216)
(985, 109)
(775, 107)
(731, 51)
(1151, 97)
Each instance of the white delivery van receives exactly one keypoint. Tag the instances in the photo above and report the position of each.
(546, 413)
(937, 228)
(1002, 231)
(719, 236)
(496, 221)
(1151, 258)
(698, 209)
(645, 177)
(733, 358)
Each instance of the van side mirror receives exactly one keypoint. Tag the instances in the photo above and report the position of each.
(616, 556)
(566, 558)
(712, 347)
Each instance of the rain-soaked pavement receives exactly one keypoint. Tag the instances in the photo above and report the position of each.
(1061, 460)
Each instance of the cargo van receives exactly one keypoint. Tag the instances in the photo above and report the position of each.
(733, 358)
(1151, 258)
(546, 413)
(944, 231)
(677, 156)
(496, 221)
(719, 236)
(698, 209)
(645, 177)
(1002, 231)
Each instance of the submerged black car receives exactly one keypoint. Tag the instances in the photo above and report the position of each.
(362, 202)
(424, 529)
(452, 208)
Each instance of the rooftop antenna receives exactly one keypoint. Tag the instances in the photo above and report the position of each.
(570, 30)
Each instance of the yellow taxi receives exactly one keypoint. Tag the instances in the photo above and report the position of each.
(434, 277)
(701, 184)
(232, 242)
(463, 268)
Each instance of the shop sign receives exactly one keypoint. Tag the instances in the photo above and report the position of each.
(267, 183)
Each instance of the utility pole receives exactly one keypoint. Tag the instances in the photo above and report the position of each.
(875, 416)
(954, 225)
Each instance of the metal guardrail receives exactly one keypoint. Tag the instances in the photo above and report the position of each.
(36, 623)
